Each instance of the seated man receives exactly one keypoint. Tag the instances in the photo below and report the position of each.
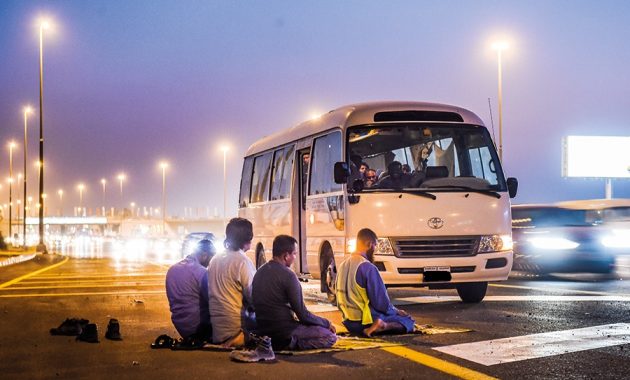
(230, 277)
(370, 178)
(395, 178)
(187, 293)
(280, 310)
(361, 294)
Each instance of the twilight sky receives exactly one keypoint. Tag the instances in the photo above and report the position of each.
(128, 83)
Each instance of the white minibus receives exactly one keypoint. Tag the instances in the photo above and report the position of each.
(425, 177)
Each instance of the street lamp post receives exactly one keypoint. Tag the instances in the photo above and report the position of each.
(103, 182)
(11, 146)
(163, 166)
(499, 47)
(41, 247)
(225, 149)
(27, 111)
(81, 187)
(60, 193)
(121, 178)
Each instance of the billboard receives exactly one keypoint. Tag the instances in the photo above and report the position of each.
(596, 157)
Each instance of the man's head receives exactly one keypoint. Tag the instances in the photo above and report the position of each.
(406, 169)
(204, 252)
(284, 249)
(370, 175)
(238, 234)
(363, 167)
(366, 243)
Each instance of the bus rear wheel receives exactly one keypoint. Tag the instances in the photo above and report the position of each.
(472, 292)
(328, 273)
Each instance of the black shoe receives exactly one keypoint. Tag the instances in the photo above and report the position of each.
(113, 330)
(70, 327)
(89, 334)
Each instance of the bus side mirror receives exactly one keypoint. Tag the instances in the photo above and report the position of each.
(342, 172)
(512, 185)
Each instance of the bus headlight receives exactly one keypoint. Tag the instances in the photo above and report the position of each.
(495, 243)
(383, 247)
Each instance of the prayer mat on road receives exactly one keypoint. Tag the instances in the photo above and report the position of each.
(434, 330)
(346, 343)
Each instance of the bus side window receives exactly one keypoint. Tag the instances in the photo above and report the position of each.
(282, 170)
(326, 152)
(260, 178)
(246, 182)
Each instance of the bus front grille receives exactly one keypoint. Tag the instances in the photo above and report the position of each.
(452, 246)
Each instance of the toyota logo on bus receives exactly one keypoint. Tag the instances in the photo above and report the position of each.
(435, 223)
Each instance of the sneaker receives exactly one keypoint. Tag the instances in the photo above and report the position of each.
(89, 334)
(70, 327)
(113, 330)
(262, 351)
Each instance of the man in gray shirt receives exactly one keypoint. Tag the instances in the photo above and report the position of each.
(230, 277)
(280, 310)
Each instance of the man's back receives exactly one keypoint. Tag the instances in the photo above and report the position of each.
(187, 293)
(230, 276)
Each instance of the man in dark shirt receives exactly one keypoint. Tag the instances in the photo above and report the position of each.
(280, 310)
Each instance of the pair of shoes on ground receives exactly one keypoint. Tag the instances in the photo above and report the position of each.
(259, 350)
(185, 344)
(86, 331)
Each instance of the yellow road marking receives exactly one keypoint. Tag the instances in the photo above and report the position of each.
(148, 292)
(101, 276)
(557, 290)
(35, 273)
(128, 281)
(77, 286)
(437, 364)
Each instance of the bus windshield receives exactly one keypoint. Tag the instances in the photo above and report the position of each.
(431, 157)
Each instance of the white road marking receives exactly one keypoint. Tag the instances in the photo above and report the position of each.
(551, 289)
(506, 350)
(539, 298)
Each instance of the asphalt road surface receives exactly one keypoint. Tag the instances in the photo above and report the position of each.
(568, 326)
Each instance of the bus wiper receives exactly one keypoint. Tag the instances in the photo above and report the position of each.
(420, 193)
(489, 193)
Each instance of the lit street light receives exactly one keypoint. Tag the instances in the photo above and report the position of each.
(27, 111)
(225, 149)
(163, 166)
(121, 178)
(60, 193)
(499, 46)
(41, 247)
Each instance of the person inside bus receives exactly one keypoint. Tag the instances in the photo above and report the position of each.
(362, 296)
(230, 276)
(406, 169)
(370, 178)
(279, 304)
(187, 293)
(395, 178)
(363, 169)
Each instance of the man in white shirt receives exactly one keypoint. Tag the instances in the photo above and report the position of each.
(230, 276)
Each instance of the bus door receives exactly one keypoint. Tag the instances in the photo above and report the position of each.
(303, 160)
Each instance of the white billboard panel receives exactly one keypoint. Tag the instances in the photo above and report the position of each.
(596, 156)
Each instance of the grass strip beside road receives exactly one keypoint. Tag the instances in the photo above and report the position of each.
(437, 364)
(34, 273)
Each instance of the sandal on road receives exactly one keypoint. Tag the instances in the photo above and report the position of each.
(163, 341)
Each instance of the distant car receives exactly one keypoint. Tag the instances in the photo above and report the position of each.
(573, 236)
(191, 240)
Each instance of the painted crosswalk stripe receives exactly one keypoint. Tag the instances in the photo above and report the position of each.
(506, 350)
(533, 298)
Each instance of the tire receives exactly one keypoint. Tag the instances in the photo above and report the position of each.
(260, 256)
(328, 274)
(472, 292)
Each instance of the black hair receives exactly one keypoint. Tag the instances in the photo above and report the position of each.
(366, 234)
(238, 232)
(205, 246)
(283, 244)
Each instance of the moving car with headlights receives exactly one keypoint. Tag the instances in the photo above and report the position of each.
(441, 204)
(572, 236)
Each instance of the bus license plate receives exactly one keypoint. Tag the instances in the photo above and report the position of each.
(437, 269)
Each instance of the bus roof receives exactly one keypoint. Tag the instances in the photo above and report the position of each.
(357, 114)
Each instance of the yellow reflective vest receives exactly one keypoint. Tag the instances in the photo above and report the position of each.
(352, 299)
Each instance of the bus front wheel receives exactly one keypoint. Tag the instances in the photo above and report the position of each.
(472, 292)
(328, 274)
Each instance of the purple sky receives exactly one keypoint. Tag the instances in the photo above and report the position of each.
(128, 83)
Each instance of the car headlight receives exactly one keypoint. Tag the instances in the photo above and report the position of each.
(553, 243)
(618, 239)
(495, 243)
(383, 246)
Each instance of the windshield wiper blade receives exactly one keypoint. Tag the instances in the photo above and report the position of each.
(489, 193)
(420, 193)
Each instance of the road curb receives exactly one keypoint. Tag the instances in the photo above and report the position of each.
(16, 259)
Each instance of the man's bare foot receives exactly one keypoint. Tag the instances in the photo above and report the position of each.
(374, 328)
(237, 341)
